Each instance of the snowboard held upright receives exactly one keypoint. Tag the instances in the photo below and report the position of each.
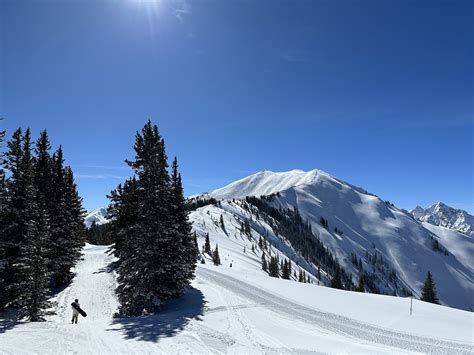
(79, 309)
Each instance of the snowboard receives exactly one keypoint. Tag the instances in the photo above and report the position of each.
(79, 309)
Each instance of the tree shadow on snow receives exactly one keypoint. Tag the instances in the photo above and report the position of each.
(172, 318)
(7, 320)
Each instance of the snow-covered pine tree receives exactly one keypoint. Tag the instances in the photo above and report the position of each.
(3, 211)
(124, 210)
(207, 245)
(215, 256)
(151, 252)
(185, 263)
(336, 281)
(66, 222)
(44, 171)
(58, 221)
(30, 266)
(286, 271)
(13, 221)
(428, 292)
(273, 267)
(76, 227)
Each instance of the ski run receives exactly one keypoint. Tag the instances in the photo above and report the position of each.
(239, 310)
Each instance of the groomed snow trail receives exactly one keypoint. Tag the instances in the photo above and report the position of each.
(337, 324)
(225, 312)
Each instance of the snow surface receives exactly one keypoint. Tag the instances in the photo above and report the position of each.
(239, 310)
(369, 225)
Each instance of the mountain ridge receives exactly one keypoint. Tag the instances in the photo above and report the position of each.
(395, 250)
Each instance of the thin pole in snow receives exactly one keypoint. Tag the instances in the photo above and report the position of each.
(411, 304)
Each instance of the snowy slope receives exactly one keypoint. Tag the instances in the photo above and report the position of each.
(98, 216)
(442, 215)
(371, 227)
(240, 310)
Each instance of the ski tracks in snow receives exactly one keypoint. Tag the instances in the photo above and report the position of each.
(347, 327)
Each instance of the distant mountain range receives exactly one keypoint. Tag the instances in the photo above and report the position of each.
(442, 215)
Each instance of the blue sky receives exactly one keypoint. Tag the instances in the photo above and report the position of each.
(378, 93)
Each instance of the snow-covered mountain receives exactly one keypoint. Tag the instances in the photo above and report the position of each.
(367, 236)
(442, 215)
(98, 216)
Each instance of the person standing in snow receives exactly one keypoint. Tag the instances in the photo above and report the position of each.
(75, 312)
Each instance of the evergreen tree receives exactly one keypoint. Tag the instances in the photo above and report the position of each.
(286, 273)
(124, 211)
(215, 256)
(67, 223)
(264, 263)
(187, 248)
(14, 223)
(361, 285)
(58, 244)
(75, 216)
(273, 268)
(30, 267)
(336, 281)
(3, 212)
(43, 171)
(221, 222)
(157, 253)
(207, 245)
(428, 292)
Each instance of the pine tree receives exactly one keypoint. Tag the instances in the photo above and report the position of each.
(207, 245)
(187, 253)
(286, 273)
(273, 268)
(14, 223)
(58, 245)
(3, 215)
(156, 250)
(361, 285)
(215, 256)
(336, 281)
(264, 263)
(67, 223)
(428, 292)
(75, 216)
(30, 267)
(221, 222)
(124, 210)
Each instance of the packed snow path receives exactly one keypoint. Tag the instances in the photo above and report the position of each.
(228, 311)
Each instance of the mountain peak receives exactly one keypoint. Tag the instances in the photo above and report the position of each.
(440, 214)
(267, 182)
(99, 216)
